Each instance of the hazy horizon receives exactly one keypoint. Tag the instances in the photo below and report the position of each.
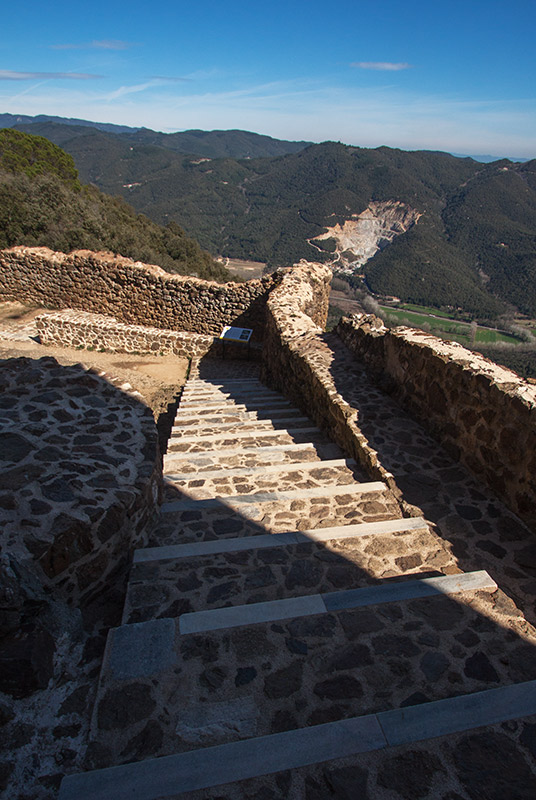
(460, 80)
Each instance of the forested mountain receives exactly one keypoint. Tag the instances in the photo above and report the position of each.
(212, 144)
(473, 245)
(42, 203)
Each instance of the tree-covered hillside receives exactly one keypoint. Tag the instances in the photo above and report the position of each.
(42, 203)
(473, 247)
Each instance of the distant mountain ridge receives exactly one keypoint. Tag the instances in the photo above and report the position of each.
(212, 144)
(472, 244)
(209, 142)
(10, 120)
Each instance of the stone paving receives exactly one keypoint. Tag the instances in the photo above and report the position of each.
(279, 643)
(481, 531)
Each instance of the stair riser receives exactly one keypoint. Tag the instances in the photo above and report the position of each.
(235, 457)
(295, 570)
(248, 439)
(336, 665)
(209, 524)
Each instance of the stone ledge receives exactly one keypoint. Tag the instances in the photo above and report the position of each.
(81, 329)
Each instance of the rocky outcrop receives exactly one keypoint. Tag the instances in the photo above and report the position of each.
(361, 237)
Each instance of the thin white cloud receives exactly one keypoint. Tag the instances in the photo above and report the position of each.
(366, 117)
(101, 44)
(168, 79)
(135, 89)
(11, 75)
(382, 66)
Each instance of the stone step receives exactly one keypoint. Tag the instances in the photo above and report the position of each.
(192, 444)
(254, 456)
(202, 394)
(239, 571)
(200, 549)
(261, 479)
(310, 605)
(216, 382)
(306, 663)
(250, 473)
(223, 422)
(210, 408)
(224, 400)
(206, 429)
(240, 416)
(239, 501)
(202, 520)
(175, 775)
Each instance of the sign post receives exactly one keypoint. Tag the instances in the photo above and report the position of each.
(231, 334)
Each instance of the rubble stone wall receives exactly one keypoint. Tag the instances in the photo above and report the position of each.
(132, 292)
(484, 414)
(296, 361)
(80, 329)
(81, 476)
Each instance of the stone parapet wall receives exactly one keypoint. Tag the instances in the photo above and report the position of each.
(132, 292)
(98, 332)
(484, 414)
(81, 476)
(296, 361)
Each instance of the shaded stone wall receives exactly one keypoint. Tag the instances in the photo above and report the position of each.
(81, 476)
(132, 292)
(484, 414)
(81, 329)
(296, 361)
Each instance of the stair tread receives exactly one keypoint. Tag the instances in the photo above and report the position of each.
(173, 775)
(309, 605)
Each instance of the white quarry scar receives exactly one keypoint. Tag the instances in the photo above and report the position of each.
(358, 239)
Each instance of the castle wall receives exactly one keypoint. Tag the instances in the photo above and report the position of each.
(296, 361)
(81, 476)
(80, 329)
(132, 292)
(484, 414)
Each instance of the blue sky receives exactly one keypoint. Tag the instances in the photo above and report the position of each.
(456, 76)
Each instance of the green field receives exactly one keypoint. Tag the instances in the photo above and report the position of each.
(446, 328)
(424, 310)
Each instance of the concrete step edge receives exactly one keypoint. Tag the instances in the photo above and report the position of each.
(233, 500)
(263, 541)
(263, 469)
(213, 437)
(172, 776)
(308, 605)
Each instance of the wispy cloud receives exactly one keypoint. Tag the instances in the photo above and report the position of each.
(382, 66)
(168, 79)
(302, 110)
(156, 81)
(100, 44)
(10, 75)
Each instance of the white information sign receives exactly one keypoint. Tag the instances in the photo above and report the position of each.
(236, 334)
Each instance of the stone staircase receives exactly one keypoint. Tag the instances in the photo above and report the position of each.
(284, 615)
